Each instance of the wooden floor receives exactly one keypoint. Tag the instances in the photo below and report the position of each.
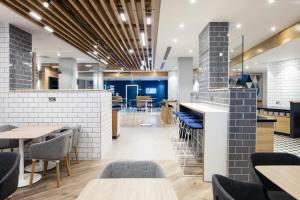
(186, 188)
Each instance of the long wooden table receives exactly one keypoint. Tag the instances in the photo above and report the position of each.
(128, 189)
(23, 133)
(286, 177)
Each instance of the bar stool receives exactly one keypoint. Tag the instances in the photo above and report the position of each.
(192, 127)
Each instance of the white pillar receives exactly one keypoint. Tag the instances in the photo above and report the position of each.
(69, 73)
(98, 80)
(172, 85)
(185, 78)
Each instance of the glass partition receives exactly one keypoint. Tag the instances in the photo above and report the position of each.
(236, 64)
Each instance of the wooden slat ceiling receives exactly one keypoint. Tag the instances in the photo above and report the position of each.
(96, 28)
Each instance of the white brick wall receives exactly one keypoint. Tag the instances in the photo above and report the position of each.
(283, 82)
(90, 109)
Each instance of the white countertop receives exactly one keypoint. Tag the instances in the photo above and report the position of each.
(203, 107)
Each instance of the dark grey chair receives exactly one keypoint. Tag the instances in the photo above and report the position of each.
(9, 174)
(227, 189)
(273, 191)
(133, 169)
(8, 143)
(55, 149)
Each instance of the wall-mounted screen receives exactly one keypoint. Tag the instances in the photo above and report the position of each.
(150, 90)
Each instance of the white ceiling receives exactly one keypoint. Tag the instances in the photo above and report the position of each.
(43, 43)
(256, 17)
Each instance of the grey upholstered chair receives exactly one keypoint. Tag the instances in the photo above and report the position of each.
(273, 191)
(8, 143)
(133, 169)
(9, 174)
(75, 140)
(228, 189)
(55, 149)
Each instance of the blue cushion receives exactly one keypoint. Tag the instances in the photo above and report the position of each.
(195, 125)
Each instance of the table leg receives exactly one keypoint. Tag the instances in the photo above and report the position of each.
(24, 177)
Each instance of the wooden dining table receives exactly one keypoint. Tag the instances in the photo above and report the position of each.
(22, 134)
(128, 189)
(287, 177)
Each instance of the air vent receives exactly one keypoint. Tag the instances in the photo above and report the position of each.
(162, 65)
(167, 53)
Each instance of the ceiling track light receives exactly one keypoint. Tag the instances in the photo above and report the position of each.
(49, 29)
(122, 15)
(143, 38)
(35, 15)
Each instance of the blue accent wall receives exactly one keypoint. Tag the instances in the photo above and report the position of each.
(160, 85)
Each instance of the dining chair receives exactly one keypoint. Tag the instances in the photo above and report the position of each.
(133, 169)
(8, 143)
(228, 189)
(271, 158)
(9, 174)
(55, 149)
(75, 141)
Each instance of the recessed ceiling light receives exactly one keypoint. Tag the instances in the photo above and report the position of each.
(58, 54)
(193, 1)
(130, 51)
(238, 26)
(108, 57)
(88, 65)
(122, 15)
(220, 54)
(95, 52)
(143, 38)
(181, 26)
(95, 46)
(35, 15)
(190, 51)
(46, 4)
(271, 1)
(273, 28)
(47, 28)
(175, 40)
(148, 20)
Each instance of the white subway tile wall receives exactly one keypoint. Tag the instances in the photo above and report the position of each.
(283, 82)
(90, 109)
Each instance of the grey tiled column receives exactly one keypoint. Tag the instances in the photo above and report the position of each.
(242, 132)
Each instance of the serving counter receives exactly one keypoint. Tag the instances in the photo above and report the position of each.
(215, 130)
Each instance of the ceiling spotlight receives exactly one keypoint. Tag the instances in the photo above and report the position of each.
(238, 26)
(149, 58)
(273, 28)
(130, 51)
(122, 15)
(190, 51)
(58, 54)
(143, 38)
(103, 61)
(181, 26)
(148, 20)
(35, 15)
(108, 57)
(271, 1)
(95, 46)
(46, 4)
(95, 52)
(175, 40)
(193, 1)
(47, 28)
(220, 54)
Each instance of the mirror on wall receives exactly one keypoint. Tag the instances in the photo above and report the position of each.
(236, 65)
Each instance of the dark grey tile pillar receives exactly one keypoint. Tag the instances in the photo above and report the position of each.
(20, 48)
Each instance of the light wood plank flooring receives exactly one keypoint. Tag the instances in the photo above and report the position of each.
(186, 188)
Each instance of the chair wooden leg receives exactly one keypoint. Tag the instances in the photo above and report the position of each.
(76, 154)
(68, 165)
(32, 173)
(45, 167)
(57, 174)
(10, 197)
